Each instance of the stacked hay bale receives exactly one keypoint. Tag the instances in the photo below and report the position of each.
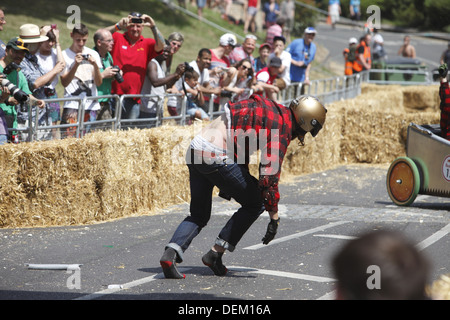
(108, 175)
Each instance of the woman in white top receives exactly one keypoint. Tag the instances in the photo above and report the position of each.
(242, 83)
(50, 57)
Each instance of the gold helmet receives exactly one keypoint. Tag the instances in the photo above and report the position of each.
(309, 114)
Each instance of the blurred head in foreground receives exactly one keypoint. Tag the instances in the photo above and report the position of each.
(380, 265)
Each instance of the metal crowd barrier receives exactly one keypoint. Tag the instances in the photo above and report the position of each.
(327, 90)
(399, 76)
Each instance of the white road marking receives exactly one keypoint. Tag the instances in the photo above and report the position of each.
(434, 238)
(283, 274)
(421, 246)
(328, 296)
(297, 235)
(335, 236)
(128, 285)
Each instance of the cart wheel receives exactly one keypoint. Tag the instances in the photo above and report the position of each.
(403, 181)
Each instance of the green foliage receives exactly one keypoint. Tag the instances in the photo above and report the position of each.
(304, 18)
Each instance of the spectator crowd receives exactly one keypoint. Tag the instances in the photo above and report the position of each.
(124, 62)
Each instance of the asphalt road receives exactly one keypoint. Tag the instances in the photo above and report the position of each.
(428, 49)
(319, 213)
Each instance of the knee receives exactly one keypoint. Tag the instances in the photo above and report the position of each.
(200, 222)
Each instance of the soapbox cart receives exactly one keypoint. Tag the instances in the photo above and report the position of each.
(424, 170)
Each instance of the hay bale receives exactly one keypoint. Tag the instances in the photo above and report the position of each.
(416, 98)
(109, 175)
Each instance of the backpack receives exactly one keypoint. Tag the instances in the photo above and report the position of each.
(351, 56)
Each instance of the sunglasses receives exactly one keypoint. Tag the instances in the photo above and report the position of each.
(245, 67)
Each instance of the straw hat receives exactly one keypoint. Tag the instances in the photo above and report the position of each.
(30, 33)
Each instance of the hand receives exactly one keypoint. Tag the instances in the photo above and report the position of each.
(148, 21)
(59, 67)
(91, 59)
(79, 58)
(109, 72)
(39, 103)
(5, 93)
(443, 70)
(272, 228)
(180, 69)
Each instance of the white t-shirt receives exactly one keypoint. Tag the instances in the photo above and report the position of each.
(83, 83)
(203, 76)
(47, 64)
(285, 61)
(149, 104)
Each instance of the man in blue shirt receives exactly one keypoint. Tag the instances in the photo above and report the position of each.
(302, 53)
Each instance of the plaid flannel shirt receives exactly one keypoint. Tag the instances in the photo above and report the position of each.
(444, 94)
(262, 124)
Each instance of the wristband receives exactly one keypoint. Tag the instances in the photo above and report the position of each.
(117, 27)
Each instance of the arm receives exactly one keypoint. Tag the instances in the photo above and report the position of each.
(68, 76)
(98, 79)
(157, 35)
(152, 74)
(207, 89)
(118, 26)
(413, 52)
(59, 66)
(48, 77)
(360, 57)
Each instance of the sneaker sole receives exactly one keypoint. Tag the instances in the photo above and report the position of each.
(170, 270)
(217, 271)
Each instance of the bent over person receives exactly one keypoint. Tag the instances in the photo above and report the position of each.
(219, 156)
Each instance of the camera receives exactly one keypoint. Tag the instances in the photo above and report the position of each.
(187, 67)
(118, 76)
(85, 56)
(18, 94)
(49, 92)
(11, 67)
(136, 20)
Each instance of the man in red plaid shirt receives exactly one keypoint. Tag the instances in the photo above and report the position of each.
(219, 156)
(444, 94)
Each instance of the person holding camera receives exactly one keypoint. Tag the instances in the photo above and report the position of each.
(39, 81)
(104, 43)
(51, 60)
(132, 53)
(14, 86)
(80, 78)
